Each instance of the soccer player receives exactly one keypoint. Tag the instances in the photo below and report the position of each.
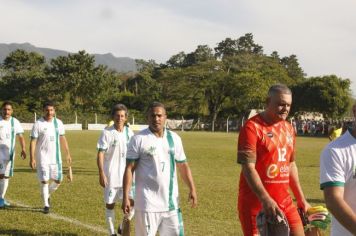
(153, 155)
(47, 137)
(9, 128)
(338, 181)
(266, 152)
(111, 160)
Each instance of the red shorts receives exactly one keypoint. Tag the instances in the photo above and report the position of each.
(248, 214)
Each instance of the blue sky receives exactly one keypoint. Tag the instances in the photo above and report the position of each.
(322, 33)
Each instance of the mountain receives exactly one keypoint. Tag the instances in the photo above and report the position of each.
(120, 64)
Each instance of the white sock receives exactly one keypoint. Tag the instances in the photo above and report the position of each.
(4, 183)
(110, 219)
(131, 214)
(45, 194)
(53, 187)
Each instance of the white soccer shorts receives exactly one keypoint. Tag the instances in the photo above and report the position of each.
(166, 223)
(47, 172)
(5, 167)
(112, 195)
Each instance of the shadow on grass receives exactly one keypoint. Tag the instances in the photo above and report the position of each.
(76, 170)
(24, 233)
(21, 208)
(316, 201)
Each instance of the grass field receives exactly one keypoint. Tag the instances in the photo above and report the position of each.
(78, 208)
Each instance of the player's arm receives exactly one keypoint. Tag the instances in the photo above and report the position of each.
(253, 179)
(187, 177)
(65, 146)
(127, 182)
(296, 188)
(334, 199)
(100, 162)
(33, 143)
(23, 146)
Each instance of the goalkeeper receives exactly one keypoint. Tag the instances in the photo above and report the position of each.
(338, 181)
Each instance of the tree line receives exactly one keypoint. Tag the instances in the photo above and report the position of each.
(208, 83)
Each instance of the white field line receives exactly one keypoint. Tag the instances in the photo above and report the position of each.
(66, 219)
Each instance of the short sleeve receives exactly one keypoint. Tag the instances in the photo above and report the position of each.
(133, 149)
(35, 130)
(61, 129)
(179, 151)
(247, 142)
(18, 127)
(332, 169)
(103, 143)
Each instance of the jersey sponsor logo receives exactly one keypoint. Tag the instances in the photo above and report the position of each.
(270, 134)
(273, 171)
(151, 151)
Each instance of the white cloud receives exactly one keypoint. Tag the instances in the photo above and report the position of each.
(320, 32)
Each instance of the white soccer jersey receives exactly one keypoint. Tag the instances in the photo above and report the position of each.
(155, 174)
(48, 149)
(8, 131)
(338, 168)
(114, 144)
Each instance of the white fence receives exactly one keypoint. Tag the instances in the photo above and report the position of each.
(28, 126)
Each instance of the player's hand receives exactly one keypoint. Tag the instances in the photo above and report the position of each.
(304, 205)
(193, 198)
(33, 163)
(103, 180)
(271, 209)
(126, 205)
(69, 160)
(23, 154)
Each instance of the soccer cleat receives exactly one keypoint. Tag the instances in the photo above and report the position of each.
(6, 203)
(2, 203)
(46, 210)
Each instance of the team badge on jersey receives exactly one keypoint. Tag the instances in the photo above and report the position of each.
(270, 134)
(151, 151)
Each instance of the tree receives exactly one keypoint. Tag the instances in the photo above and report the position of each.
(329, 95)
(22, 77)
(293, 68)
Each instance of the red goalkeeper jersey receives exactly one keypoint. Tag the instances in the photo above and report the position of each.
(273, 146)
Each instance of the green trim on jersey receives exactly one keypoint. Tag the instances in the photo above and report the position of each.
(183, 161)
(127, 134)
(59, 163)
(180, 223)
(12, 147)
(172, 169)
(130, 160)
(332, 184)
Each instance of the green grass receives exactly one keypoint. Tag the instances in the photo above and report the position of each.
(212, 158)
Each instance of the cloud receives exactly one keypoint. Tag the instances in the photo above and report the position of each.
(321, 32)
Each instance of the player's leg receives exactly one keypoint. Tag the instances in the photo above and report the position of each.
(110, 197)
(294, 221)
(43, 177)
(247, 218)
(4, 181)
(57, 176)
(146, 223)
(172, 223)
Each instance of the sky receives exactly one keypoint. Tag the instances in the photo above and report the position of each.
(321, 33)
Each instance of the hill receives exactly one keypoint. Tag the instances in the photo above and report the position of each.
(120, 64)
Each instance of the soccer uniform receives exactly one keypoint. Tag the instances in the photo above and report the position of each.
(338, 168)
(274, 147)
(156, 200)
(48, 151)
(114, 145)
(8, 131)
